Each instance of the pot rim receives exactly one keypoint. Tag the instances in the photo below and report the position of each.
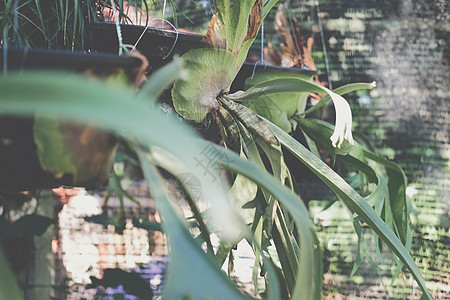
(19, 58)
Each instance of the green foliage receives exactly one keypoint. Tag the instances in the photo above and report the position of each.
(257, 140)
(216, 69)
(231, 35)
(354, 201)
(47, 24)
(58, 24)
(266, 210)
(280, 107)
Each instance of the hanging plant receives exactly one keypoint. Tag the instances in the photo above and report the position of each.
(248, 121)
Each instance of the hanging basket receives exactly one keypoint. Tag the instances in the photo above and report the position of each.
(21, 166)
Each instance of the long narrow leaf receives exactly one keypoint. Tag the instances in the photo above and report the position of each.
(353, 200)
(186, 256)
(304, 284)
(341, 91)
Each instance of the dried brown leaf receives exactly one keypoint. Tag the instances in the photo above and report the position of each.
(254, 21)
(212, 37)
(282, 27)
(271, 55)
(307, 57)
(298, 37)
(289, 61)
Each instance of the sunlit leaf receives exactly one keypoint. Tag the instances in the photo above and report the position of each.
(213, 70)
(280, 107)
(242, 192)
(341, 91)
(186, 256)
(278, 86)
(234, 19)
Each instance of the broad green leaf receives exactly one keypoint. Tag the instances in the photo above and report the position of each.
(353, 200)
(278, 108)
(211, 72)
(278, 86)
(343, 127)
(239, 19)
(266, 75)
(269, 108)
(242, 192)
(214, 69)
(234, 20)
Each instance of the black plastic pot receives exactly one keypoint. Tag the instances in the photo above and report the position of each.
(159, 47)
(20, 59)
(20, 168)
